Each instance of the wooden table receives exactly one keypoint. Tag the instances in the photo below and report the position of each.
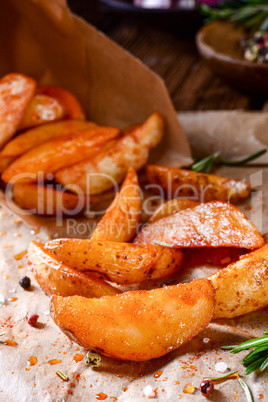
(192, 86)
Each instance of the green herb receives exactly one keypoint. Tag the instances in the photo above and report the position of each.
(3, 333)
(62, 376)
(222, 377)
(92, 359)
(257, 358)
(246, 389)
(250, 13)
(207, 163)
(161, 243)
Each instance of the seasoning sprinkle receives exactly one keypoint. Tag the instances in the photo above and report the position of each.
(92, 359)
(62, 376)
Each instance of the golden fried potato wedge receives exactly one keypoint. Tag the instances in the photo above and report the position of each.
(16, 93)
(214, 224)
(47, 200)
(71, 103)
(57, 278)
(5, 162)
(201, 186)
(56, 154)
(171, 207)
(138, 325)
(242, 287)
(121, 220)
(217, 256)
(106, 169)
(39, 135)
(117, 262)
(42, 109)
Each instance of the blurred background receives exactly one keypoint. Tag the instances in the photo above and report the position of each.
(162, 34)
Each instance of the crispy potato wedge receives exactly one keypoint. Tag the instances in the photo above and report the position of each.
(71, 103)
(42, 109)
(56, 154)
(138, 325)
(47, 200)
(57, 278)
(201, 186)
(16, 93)
(5, 162)
(242, 287)
(108, 168)
(39, 135)
(117, 262)
(218, 256)
(171, 207)
(121, 220)
(214, 224)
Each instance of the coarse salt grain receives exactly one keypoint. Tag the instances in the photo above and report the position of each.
(148, 391)
(2, 299)
(12, 291)
(206, 340)
(47, 312)
(221, 367)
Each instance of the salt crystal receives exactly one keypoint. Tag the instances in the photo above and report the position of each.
(148, 390)
(12, 291)
(47, 312)
(2, 299)
(221, 367)
(206, 340)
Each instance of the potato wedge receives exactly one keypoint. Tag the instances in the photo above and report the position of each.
(203, 187)
(57, 278)
(138, 325)
(71, 103)
(5, 162)
(171, 207)
(242, 287)
(102, 172)
(16, 93)
(117, 262)
(214, 224)
(56, 154)
(42, 109)
(39, 135)
(121, 220)
(47, 200)
(217, 256)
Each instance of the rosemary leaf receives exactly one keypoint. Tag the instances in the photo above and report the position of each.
(3, 333)
(230, 347)
(242, 161)
(256, 354)
(162, 243)
(254, 366)
(246, 390)
(222, 377)
(262, 341)
(264, 364)
(62, 376)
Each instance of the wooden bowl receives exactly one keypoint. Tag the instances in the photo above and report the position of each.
(219, 44)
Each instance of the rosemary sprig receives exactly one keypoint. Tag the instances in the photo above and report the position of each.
(250, 13)
(257, 358)
(207, 163)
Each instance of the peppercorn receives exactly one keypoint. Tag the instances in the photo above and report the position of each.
(32, 319)
(25, 282)
(207, 387)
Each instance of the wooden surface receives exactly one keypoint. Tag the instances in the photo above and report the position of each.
(191, 84)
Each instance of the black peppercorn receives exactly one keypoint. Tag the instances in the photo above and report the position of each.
(25, 282)
(207, 387)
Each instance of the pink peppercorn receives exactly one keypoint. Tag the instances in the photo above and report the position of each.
(32, 319)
